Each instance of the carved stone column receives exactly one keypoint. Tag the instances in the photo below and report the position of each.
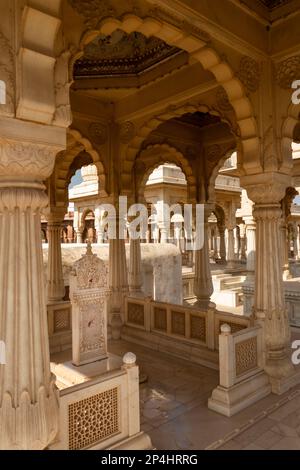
(135, 266)
(118, 282)
(203, 286)
(251, 244)
(230, 248)
(164, 233)
(284, 250)
(28, 397)
(243, 242)
(286, 203)
(269, 304)
(79, 237)
(221, 229)
(55, 279)
(216, 251)
(295, 241)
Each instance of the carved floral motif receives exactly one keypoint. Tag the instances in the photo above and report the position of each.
(287, 71)
(91, 271)
(127, 132)
(98, 133)
(26, 158)
(249, 73)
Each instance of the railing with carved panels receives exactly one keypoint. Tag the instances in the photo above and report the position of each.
(240, 354)
(189, 324)
(94, 414)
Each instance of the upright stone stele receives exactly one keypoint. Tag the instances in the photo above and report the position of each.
(88, 294)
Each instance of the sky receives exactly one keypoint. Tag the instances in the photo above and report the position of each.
(297, 200)
(76, 179)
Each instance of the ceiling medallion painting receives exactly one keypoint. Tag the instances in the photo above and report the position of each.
(271, 4)
(122, 54)
(199, 119)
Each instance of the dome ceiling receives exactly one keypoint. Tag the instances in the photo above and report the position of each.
(271, 4)
(123, 54)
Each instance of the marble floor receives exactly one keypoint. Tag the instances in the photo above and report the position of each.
(174, 408)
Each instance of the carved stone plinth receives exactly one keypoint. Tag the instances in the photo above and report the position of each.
(88, 294)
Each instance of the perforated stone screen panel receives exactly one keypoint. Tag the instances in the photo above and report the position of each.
(245, 356)
(198, 328)
(94, 419)
(160, 319)
(136, 313)
(178, 323)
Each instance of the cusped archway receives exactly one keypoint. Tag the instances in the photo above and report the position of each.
(152, 157)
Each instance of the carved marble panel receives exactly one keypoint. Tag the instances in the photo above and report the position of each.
(88, 291)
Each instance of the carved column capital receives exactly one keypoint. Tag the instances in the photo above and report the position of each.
(28, 151)
(266, 188)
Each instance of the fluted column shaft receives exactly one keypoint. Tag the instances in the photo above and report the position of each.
(216, 251)
(269, 302)
(118, 282)
(243, 242)
(28, 396)
(55, 279)
(295, 241)
(284, 250)
(230, 248)
(135, 267)
(251, 244)
(222, 243)
(203, 286)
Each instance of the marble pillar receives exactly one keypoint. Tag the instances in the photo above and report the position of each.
(118, 282)
(55, 279)
(295, 241)
(269, 304)
(284, 247)
(203, 286)
(216, 248)
(230, 248)
(221, 229)
(243, 242)
(251, 245)
(164, 233)
(28, 395)
(79, 237)
(135, 268)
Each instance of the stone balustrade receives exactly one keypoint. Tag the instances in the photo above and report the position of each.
(242, 379)
(184, 331)
(94, 414)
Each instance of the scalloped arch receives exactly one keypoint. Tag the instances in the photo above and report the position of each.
(77, 143)
(215, 172)
(144, 131)
(208, 58)
(158, 154)
(83, 217)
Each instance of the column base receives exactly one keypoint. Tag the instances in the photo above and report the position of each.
(140, 441)
(229, 401)
(286, 275)
(283, 384)
(204, 304)
(138, 294)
